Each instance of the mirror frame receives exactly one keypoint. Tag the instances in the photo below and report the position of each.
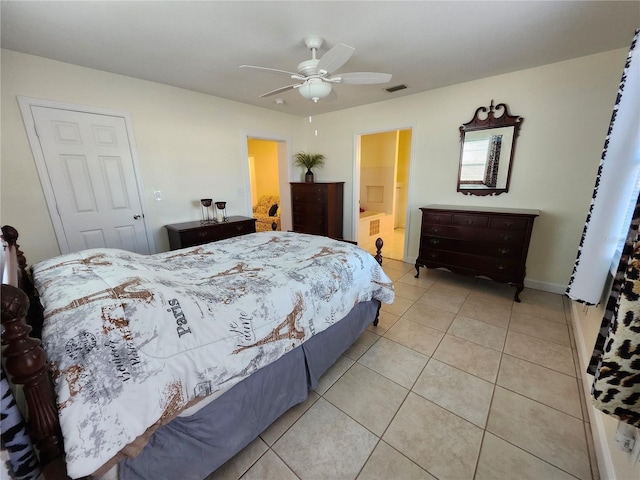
(486, 123)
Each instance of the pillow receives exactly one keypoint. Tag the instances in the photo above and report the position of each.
(273, 210)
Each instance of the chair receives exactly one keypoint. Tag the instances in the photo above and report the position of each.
(264, 221)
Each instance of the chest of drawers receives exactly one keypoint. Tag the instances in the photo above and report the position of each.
(189, 234)
(492, 242)
(317, 208)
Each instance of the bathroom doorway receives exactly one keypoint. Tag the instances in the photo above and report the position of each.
(383, 160)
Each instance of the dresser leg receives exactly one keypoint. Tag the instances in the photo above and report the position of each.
(417, 271)
(519, 289)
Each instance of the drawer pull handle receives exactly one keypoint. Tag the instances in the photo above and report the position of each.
(501, 267)
(202, 234)
(504, 251)
(470, 222)
(435, 241)
(433, 255)
(507, 237)
(239, 227)
(508, 224)
(435, 229)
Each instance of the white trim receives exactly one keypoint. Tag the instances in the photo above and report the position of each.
(545, 286)
(25, 104)
(356, 183)
(603, 455)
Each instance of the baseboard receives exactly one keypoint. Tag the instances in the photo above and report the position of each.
(603, 455)
(545, 286)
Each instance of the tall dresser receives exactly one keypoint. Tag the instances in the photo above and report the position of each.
(317, 208)
(491, 242)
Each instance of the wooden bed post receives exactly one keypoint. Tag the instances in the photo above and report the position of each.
(26, 365)
(26, 361)
(378, 257)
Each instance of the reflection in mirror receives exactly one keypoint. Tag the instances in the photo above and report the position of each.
(487, 152)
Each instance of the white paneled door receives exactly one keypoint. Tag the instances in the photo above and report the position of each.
(90, 168)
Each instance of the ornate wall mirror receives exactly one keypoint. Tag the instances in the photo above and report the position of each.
(486, 152)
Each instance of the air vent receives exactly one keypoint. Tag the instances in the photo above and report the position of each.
(396, 88)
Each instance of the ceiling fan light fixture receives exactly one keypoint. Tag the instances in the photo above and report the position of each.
(314, 89)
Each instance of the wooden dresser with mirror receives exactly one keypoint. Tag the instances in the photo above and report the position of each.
(477, 241)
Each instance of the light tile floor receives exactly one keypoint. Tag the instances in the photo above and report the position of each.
(456, 382)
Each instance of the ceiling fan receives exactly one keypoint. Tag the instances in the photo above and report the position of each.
(315, 76)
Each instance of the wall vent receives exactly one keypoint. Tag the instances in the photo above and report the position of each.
(396, 88)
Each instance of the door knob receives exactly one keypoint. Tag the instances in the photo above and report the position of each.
(136, 217)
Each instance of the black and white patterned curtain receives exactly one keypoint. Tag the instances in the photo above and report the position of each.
(615, 184)
(493, 160)
(615, 362)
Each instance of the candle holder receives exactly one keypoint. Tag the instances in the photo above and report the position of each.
(207, 210)
(221, 212)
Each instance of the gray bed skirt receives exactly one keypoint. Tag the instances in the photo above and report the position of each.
(190, 448)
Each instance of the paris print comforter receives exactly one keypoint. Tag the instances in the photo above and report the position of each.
(135, 339)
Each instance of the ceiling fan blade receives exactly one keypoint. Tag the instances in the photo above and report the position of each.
(273, 70)
(361, 78)
(335, 58)
(278, 90)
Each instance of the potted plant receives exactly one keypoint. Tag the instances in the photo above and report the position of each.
(308, 161)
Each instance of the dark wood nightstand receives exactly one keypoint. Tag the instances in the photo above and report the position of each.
(189, 234)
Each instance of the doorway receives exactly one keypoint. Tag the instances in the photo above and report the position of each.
(87, 164)
(384, 160)
(268, 174)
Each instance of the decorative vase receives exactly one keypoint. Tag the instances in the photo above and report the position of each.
(308, 177)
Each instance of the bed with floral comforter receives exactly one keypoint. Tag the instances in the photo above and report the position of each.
(135, 339)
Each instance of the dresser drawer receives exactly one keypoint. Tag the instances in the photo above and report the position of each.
(436, 218)
(308, 221)
(228, 230)
(511, 237)
(309, 196)
(197, 237)
(509, 223)
(190, 234)
(474, 263)
(488, 249)
(480, 221)
(308, 210)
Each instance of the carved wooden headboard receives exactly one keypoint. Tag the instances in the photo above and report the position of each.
(24, 359)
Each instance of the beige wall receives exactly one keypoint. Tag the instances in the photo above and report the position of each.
(377, 169)
(190, 145)
(566, 108)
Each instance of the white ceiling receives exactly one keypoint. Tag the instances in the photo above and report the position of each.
(199, 45)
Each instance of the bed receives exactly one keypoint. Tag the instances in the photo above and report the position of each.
(167, 365)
